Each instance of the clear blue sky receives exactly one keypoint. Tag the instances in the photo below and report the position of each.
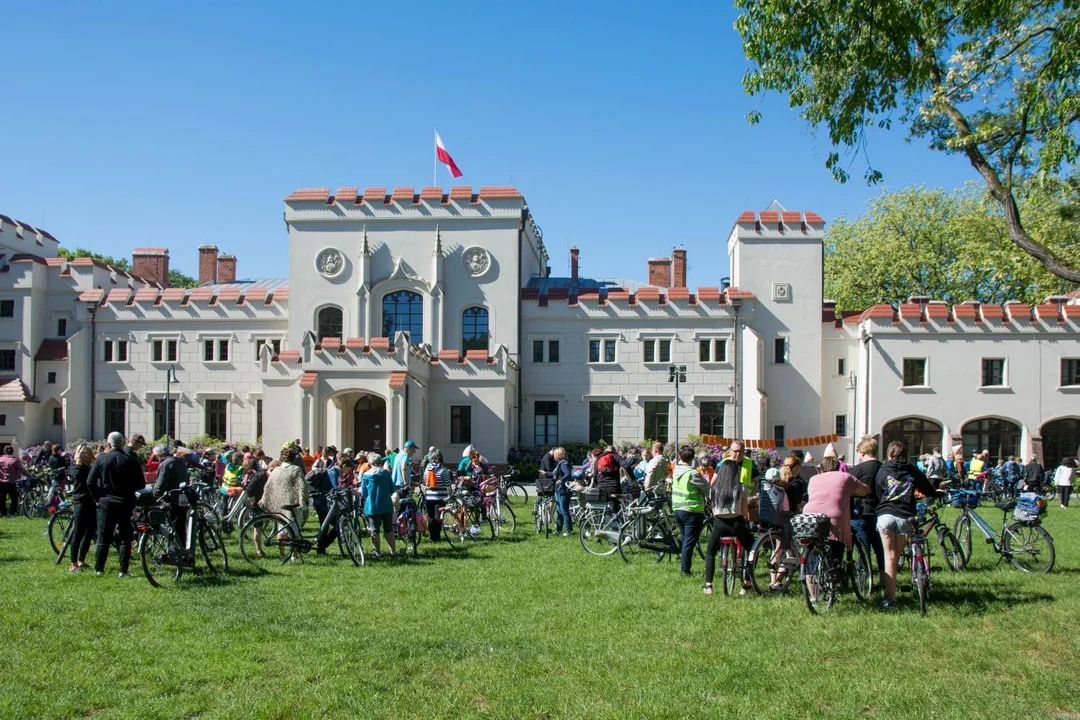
(623, 123)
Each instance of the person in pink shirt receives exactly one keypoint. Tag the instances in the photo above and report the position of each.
(11, 471)
(830, 493)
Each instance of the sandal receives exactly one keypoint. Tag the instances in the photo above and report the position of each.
(708, 589)
(746, 588)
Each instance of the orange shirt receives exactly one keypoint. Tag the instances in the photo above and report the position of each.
(308, 462)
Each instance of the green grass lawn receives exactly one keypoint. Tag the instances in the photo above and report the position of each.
(526, 628)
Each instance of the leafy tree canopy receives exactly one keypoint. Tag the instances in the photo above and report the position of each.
(176, 278)
(950, 246)
(997, 81)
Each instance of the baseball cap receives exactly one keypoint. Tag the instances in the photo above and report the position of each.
(410, 444)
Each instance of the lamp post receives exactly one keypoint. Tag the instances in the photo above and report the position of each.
(677, 375)
(170, 378)
(853, 384)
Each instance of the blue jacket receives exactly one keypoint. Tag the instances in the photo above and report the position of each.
(563, 475)
(377, 488)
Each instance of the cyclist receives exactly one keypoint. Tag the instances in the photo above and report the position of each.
(1011, 474)
(935, 468)
(730, 506)
(896, 484)
(830, 493)
(977, 466)
(562, 474)
(607, 472)
(84, 511)
(748, 469)
(1033, 476)
(437, 483)
(656, 472)
(864, 509)
(11, 471)
(377, 489)
(172, 472)
(114, 478)
(688, 491)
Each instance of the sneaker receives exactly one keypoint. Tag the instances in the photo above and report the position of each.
(126, 575)
(888, 604)
(74, 569)
(99, 573)
(566, 534)
(688, 575)
(708, 589)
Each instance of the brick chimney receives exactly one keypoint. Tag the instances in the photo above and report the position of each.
(660, 272)
(226, 268)
(574, 263)
(678, 267)
(208, 255)
(151, 264)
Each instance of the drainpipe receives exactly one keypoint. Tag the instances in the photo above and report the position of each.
(738, 378)
(520, 334)
(866, 339)
(92, 308)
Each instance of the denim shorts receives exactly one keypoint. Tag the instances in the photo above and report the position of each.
(898, 525)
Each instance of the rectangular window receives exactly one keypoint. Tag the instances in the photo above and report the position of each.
(460, 424)
(609, 351)
(161, 426)
(720, 351)
(656, 421)
(1070, 371)
(115, 415)
(841, 366)
(665, 351)
(594, 351)
(121, 351)
(223, 352)
(993, 372)
(172, 350)
(545, 422)
(705, 350)
(61, 327)
(50, 378)
(553, 351)
(258, 420)
(216, 418)
(108, 350)
(7, 308)
(275, 348)
(3, 420)
(601, 421)
(208, 351)
(648, 351)
(602, 351)
(779, 433)
(712, 418)
(840, 426)
(780, 351)
(914, 372)
(538, 351)
(58, 416)
(7, 360)
(157, 354)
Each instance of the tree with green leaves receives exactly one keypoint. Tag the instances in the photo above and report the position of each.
(950, 246)
(176, 278)
(996, 81)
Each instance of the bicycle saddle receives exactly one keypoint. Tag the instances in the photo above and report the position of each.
(1006, 506)
(290, 507)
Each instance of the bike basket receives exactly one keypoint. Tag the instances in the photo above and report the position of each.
(1022, 515)
(145, 497)
(545, 486)
(594, 495)
(1031, 503)
(813, 525)
(471, 500)
(156, 516)
(965, 499)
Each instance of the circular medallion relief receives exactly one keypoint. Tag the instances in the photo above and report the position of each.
(330, 262)
(476, 260)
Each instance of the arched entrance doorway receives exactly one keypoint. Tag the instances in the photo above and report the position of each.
(920, 435)
(1000, 437)
(1060, 439)
(369, 424)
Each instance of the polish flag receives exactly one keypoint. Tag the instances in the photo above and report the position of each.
(444, 157)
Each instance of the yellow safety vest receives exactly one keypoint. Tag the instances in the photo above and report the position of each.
(974, 468)
(746, 473)
(685, 496)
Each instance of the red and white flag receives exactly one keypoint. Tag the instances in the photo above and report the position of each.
(444, 157)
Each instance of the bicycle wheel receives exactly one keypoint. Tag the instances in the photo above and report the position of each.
(761, 562)
(597, 535)
(516, 495)
(1029, 548)
(962, 531)
(505, 520)
(817, 590)
(538, 516)
(630, 535)
(59, 528)
(259, 541)
(210, 512)
(213, 549)
(862, 573)
(703, 539)
(727, 568)
(920, 580)
(453, 531)
(350, 540)
(154, 557)
(33, 503)
(1049, 491)
(480, 527)
(951, 550)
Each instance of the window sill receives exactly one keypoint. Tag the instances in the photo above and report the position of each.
(1069, 388)
(924, 389)
(656, 363)
(714, 364)
(164, 362)
(603, 364)
(1001, 389)
(217, 362)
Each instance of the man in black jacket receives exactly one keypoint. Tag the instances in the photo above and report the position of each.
(114, 478)
(171, 474)
(864, 509)
(1033, 476)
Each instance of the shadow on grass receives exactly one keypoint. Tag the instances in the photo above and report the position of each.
(967, 600)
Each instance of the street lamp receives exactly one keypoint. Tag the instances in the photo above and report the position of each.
(170, 378)
(677, 375)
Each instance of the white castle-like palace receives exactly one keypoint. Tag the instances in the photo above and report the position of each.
(434, 316)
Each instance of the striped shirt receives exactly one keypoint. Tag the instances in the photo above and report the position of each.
(443, 480)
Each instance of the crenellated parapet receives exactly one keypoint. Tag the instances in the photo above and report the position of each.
(203, 303)
(1054, 316)
(617, 301)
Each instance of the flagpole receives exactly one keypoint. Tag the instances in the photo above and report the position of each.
(435, 168)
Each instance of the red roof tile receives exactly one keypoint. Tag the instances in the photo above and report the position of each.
(461, 192)
(992, 312)
(308, 380)
(747, 218)
(330, 343)
(173, 294)
(91, 296)
(228, 294)
(289, 356)
(55, 261)
(449, 355)
(146, 295)
(397, 379)
(347, 194)
(1047, 312)
(14, 390)
(476, 354)
(493, 192)
(648, 293)
(910, 311)
(966, 310)
(880, 312)
(309, 195)
(355, 343)
(278, 295)
(255, 295)
(708, 293)
(619, 294)
(814, 218)
(791, 218)
(431, 192)
(403, 194)
(1018, 311)
(52, 350)
(678, 293)
(734, 293)
(770, 216)
(200, 294)
(118, 296)
(1071, 311)
(937, 311)
(379, 343)
(375, 195)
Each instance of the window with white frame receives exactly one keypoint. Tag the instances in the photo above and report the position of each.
(116, 351)
(656, 351)
(780, 350)
(602, 350)
(1070, 372)
(840, 425)
(841, 366)
(545, 351)
(545, 422)
(216, 350)
(993, 372)
(164, 350)
(460, 424)
(274, 343)
(712, 350)
(914, 372)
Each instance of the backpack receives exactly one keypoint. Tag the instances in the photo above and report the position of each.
(936, 467)
(317, 480)
(431, 480)
(773, 505)
(607, 466)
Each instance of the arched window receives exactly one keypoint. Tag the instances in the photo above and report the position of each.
(919, 435)
(330, 323)
(1000, 437)
(1061, 439)
(403, 311)
(474, 329)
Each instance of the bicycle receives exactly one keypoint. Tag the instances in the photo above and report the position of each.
(823, 575)
(406, 529)
(1026, 545)
(162, 553)
(601, 523)
(495, 506)
(511, 491)
(650, 528)
(544, 514)
(772, 566)
(288, 532)
(928, 520)
(918, 553)
(732, 567)
(462, 517)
